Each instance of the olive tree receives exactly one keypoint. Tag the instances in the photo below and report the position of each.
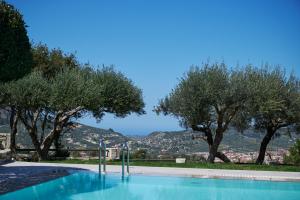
(49, 62)
(26, 95)
(276, 104)
(69, 95)
(207, 100)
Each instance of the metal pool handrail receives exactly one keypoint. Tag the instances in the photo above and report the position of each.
(102, 147)
(125, 148)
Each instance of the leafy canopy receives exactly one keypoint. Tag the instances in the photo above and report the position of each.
(96, 91)
(204, 93)
(276, 100)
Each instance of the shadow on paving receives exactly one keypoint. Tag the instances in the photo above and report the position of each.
(4, 162)
(17, 177)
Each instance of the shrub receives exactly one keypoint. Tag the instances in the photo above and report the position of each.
(139, 154)
(294, 156)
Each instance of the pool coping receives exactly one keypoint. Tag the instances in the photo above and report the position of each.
(179, 172)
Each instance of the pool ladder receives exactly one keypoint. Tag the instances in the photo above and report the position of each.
(124, 150)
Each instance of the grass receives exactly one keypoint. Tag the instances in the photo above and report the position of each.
(203, 165)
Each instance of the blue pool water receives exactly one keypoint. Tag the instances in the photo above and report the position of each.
(89, 186)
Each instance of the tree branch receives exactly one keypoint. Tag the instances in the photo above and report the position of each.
(282, 125)
(70, 113)
(35, 117)
(231, 116)
(206, 130)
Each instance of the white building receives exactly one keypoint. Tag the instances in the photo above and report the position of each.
(113, 153)
(5, 146)
(4, 141)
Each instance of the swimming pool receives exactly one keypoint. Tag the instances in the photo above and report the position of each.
(89, 186)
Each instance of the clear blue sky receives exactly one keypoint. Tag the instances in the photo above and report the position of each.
(154, 42)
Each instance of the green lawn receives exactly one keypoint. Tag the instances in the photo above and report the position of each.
(288, 168)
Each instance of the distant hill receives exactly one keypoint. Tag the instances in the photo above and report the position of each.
(156, 143)
(180, 142)
(84, 136)
(81, 137)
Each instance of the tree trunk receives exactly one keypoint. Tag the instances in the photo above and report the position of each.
(213, 144)
(54, 134)
(212, 154)
(263, 146)
(43, 126)
(221, 128)
(13, 127)
(213, 149)
(35, 142)
(44, 154)
(60, 121)
(57, 144)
